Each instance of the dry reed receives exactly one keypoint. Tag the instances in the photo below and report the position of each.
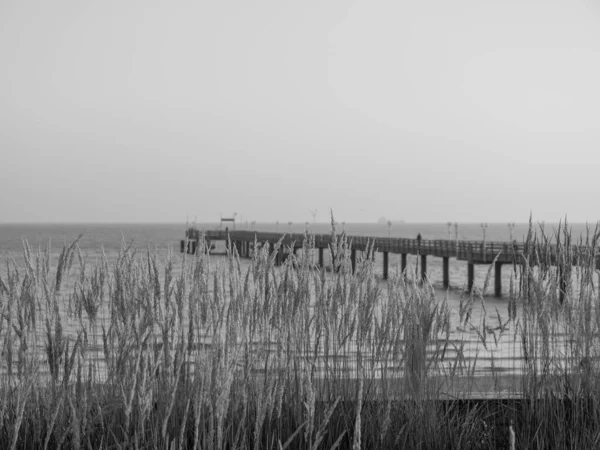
(204, 356)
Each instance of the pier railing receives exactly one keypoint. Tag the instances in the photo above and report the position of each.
(473, 251)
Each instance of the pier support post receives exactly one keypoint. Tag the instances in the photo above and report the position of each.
(321, 257)
(423, 267)
(498, 279)
(385, 265)
(402, 262)
(446, 270)
(470, 276)
(353, 260)
(194, 246)
(182, 245)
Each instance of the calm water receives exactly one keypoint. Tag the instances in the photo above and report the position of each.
(160, 237)
(95, 236)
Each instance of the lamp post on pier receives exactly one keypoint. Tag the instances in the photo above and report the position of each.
(389, 224)
(511, 225)
(456, 236)
(484, 226)
(449, 225)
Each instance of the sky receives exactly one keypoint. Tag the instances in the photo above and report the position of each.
(428, 111)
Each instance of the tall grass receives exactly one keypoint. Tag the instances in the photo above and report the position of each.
(180, 352)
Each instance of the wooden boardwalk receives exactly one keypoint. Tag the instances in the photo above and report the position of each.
(473, 252)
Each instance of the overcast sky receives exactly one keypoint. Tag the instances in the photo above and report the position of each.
(124, 111)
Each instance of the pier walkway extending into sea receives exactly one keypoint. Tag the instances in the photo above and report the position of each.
(473, 252)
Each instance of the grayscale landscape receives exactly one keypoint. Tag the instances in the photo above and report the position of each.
(299, 225)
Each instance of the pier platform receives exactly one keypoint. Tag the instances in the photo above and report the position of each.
(472, 252)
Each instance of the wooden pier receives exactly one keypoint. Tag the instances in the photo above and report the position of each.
(473, 252)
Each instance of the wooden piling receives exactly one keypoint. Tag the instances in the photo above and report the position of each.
(353, 260)
(470, 276)
(423, 267)
(498, 279)
(402, 262)
(446, 271)
(385, 265)
(321, 257)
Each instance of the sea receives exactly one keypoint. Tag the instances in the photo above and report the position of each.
(106, 239)
(161, 236)
(99, 238)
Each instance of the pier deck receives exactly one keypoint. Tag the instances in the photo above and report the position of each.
(473, 252)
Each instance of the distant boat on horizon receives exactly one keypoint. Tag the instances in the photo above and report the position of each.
(384, 221)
